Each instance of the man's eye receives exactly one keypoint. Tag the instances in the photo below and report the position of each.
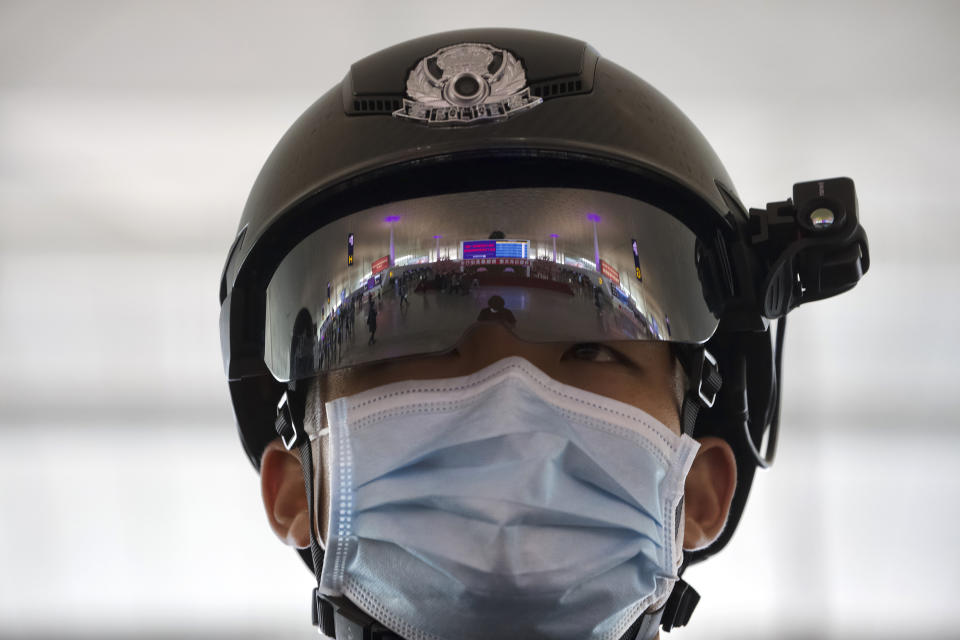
(592, 352)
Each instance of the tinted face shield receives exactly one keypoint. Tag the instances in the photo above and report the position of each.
(551, 264)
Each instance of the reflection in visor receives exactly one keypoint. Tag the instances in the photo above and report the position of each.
(550, 264)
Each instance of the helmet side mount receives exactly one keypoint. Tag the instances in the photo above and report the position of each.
(813, 245)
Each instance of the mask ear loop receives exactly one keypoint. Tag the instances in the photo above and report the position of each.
(289, 426)
(317, 418)
(329, 614)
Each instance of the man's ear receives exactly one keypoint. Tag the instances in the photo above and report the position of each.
(708, 492)
(284, 495)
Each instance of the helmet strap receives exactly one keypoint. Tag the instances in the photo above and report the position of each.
(703, 384)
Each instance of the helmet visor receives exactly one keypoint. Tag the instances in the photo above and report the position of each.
(550, 264)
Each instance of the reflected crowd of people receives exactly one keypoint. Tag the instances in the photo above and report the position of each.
(320, 348)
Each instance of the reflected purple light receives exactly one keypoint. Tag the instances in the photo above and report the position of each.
(391, 220)
(437, 237)
(596, 244)
(553, 235)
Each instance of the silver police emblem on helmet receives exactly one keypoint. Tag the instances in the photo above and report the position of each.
(466, 83)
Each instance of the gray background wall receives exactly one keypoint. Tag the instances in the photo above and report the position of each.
(130, 134)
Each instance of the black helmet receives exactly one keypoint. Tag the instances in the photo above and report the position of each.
(515, 140)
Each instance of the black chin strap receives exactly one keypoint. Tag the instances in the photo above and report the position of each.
(339, 618)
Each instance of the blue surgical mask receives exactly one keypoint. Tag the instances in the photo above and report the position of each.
(504, 505)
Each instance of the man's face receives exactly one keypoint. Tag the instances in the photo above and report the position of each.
(642, 374)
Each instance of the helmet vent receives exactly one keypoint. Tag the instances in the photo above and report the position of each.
(557, 88)
(376, 105)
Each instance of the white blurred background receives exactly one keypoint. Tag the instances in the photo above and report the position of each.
(130, 135)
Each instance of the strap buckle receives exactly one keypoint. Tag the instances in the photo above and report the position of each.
(284, 424)
(709, 374)
(703, 384)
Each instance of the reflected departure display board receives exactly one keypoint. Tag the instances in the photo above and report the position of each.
(471, 249)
